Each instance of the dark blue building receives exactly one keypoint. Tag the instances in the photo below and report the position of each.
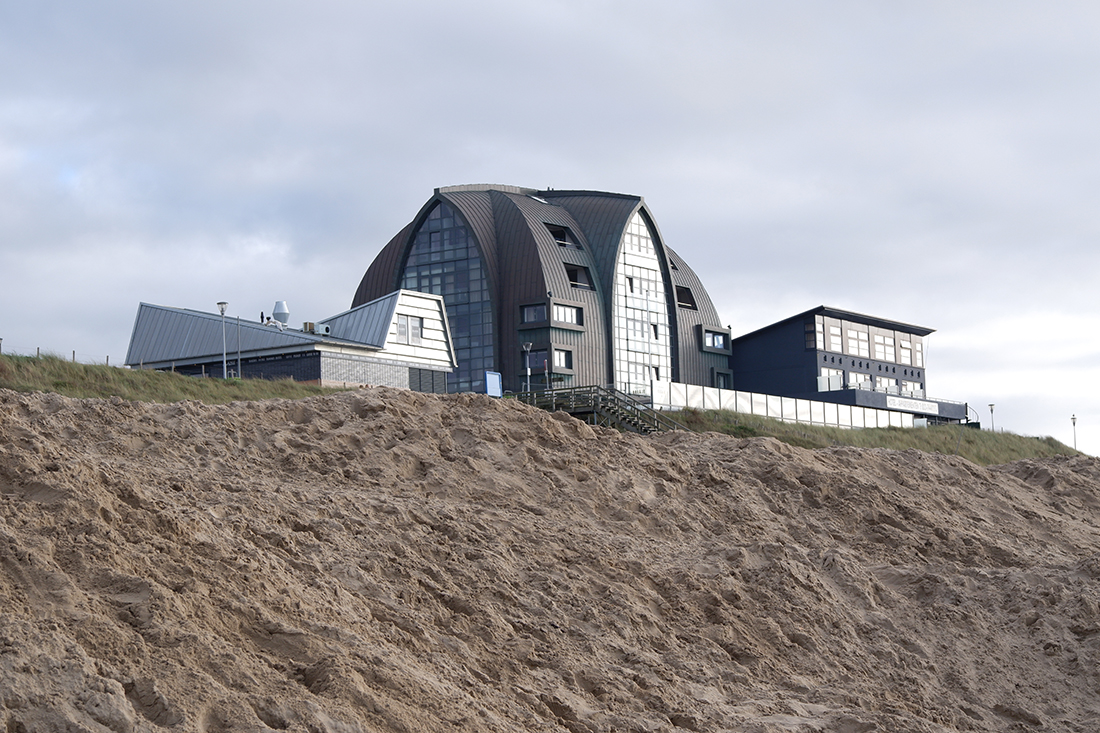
(838, 356)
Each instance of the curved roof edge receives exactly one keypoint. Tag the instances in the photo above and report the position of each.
(519, 190)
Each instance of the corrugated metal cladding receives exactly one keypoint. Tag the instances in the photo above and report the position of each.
(525, 266)
(357, 350)
(164, 334)
(386, 269)
(366, 324)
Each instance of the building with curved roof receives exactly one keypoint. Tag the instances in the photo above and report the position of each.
(578, 287)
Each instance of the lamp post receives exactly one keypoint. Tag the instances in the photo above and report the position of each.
(527, 348)
(991, 425)
(222, 305)
(1073, 419)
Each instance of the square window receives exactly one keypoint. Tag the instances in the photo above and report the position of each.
(533, 313)
(535, 359)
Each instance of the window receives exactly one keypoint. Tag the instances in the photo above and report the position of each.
(444, 259)
(815, 334)
(684, 298)
(830, 380)
(834, 339)
(534, 359)
(563, 359)
(562, 236)
(637, 332)
(714, 340)
(641, 299)
(884, 347)
(912, 389)
(858, 380)
(905, 352)
(568, 314)
(858, 344)
(534, 313)
(886, 384)
(579, 277)
(722, 380)
(410, 330)
(920, 354)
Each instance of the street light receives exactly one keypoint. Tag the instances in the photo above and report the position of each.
(222, 305)
(527, 348)
(991, 425)
(1073, 419)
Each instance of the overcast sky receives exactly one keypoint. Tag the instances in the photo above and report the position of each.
(936, 163)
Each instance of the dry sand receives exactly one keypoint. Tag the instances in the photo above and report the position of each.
(389, 561)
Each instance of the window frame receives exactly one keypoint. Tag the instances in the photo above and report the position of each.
(561, 309)
(562, 236)
(688, 302)
(709, 332)
(410, 330)
(567, 359)
(577, 282)
(523, 312)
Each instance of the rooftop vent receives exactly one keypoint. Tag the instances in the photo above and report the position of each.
(281, 314)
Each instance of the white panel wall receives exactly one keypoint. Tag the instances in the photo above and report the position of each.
(673, 395)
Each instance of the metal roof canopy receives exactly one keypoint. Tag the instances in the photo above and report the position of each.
(823, 310)
(164, 335)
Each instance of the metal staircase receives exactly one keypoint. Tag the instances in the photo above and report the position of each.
(602, 406)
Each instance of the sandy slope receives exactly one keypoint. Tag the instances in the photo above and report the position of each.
(389, 561)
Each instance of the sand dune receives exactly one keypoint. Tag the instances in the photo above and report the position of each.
(389, 561)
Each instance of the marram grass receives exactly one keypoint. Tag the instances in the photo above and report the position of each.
(54, 374)
(983, 447)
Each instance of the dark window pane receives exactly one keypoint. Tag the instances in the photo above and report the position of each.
(444, 245)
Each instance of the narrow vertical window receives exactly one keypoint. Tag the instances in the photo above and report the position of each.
(402, 329)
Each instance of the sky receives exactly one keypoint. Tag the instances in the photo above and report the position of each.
(934, 163)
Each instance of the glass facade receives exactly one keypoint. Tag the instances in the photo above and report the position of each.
(642, 349)
(444, 260)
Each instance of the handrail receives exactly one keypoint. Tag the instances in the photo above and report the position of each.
(898, 393)
(609, 402)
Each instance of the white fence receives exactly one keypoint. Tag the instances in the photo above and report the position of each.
(675, 396)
